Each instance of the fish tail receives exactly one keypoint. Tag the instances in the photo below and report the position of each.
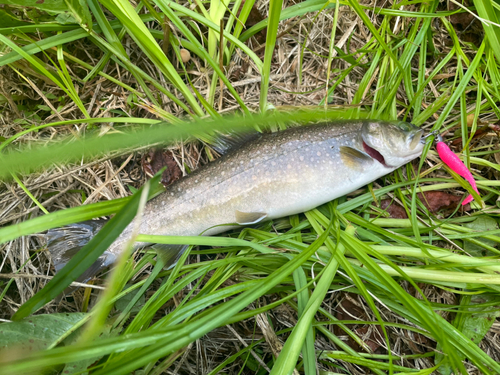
(64, 242)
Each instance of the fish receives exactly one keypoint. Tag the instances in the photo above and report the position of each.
(264, 177)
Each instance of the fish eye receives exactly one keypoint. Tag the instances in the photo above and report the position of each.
(405, 126)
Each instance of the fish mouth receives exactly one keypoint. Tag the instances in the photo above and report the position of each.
(374, 154)
(435, 133)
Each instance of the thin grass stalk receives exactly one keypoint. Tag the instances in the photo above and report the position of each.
(272, 31)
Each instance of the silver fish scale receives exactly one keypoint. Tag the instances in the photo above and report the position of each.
(279, 174)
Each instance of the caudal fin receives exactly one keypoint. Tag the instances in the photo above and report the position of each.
(63, 243)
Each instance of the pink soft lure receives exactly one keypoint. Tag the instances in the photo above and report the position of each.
(451, 160)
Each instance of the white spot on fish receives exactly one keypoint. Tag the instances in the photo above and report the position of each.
(318, 153)
(289, 166)
(301, 158)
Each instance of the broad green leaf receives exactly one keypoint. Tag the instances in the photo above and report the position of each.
(7, 19)
(80, 11)
(51, 6)
(473, 321)
(482, 224)
(82, 366)
(477, 324)
(36, 332)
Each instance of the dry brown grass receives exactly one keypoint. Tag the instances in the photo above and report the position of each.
(62, 186)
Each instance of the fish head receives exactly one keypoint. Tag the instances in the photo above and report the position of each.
(392, 143)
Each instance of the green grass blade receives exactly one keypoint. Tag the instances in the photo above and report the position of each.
(164, 5)
(285, 363)
(308, 352)
(486, 10)
(460, 88)
(33, 157)
(272, 31)
(357, 8)
(296, 10)
(127, 15)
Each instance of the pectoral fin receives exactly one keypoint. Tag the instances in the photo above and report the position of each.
(247, 218)
(354, 159)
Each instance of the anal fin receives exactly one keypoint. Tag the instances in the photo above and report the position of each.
(169, 254)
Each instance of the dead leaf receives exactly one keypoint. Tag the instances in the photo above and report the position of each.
(254, 18)
(496, 155)
(155, 160)
(434, 201)
(371, 335)
(394, 210)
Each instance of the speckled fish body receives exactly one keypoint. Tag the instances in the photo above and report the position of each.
(272, 176)
(279, 174)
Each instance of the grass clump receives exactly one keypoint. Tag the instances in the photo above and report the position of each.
(354, 286)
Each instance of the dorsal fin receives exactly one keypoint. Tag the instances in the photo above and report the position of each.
(223, 142)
